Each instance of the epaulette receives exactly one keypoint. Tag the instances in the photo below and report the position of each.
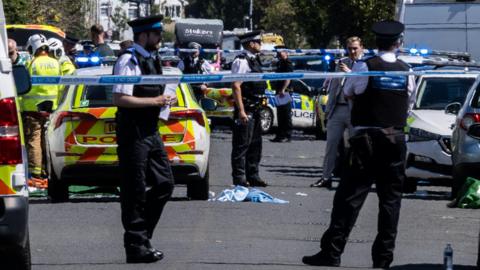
(366, 58)
(242, 55)
(131, 51)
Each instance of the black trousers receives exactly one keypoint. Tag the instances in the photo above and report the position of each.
(246, 148)
(146, 184)
(378, 160)
(284, 118)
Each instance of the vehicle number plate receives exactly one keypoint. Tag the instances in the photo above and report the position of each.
(110, 127)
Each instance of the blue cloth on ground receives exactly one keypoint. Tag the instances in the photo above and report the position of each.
(243, 194)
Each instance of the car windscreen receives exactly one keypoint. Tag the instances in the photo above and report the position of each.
(436, 93)
(102, 96)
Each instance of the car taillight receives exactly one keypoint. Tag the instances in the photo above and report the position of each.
(73, 116)
(196, 115)
(10, 143)
(469, 119)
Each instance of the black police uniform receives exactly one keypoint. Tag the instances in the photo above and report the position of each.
(192, 67)
(247, 138)
(377, 156)
(147, 182)
(284, 112)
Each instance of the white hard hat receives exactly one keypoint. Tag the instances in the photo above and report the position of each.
(55, 46)
(36, 42)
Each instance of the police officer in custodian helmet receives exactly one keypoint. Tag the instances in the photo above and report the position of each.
(379, 114)
(147, 181)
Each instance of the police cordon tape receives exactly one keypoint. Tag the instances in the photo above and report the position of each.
(157, 79)
(410, 51)
(311, 51)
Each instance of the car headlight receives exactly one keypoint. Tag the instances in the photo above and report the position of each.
(420, 135)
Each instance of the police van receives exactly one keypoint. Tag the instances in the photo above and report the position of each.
(14, 240)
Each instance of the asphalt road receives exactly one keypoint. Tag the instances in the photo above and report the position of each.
(86, 233)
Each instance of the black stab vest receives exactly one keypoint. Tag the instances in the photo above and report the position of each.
(385, 100)
(146, 119)
(252, 91)
(191, 67)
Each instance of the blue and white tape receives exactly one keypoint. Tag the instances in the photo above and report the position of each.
(411, 51)
(311, 51)
(152, 80)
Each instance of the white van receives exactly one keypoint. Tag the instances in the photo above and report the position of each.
(446, 25)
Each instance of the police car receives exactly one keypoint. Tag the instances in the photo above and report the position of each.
(14, 237)
(308, 106)
(430, 125)
(81, 139)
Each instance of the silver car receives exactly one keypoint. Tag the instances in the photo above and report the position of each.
(466, 139)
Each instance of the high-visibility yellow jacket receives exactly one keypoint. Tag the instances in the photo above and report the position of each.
(66, 65)
(42, 65)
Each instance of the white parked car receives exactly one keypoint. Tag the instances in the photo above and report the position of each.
(430, 126)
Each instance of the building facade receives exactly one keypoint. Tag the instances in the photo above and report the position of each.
(113, 14)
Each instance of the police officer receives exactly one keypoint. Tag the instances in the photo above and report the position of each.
(249, 98)
(284, 112)
(379, 113)
(36, 106)
(69, 46)
(147, 181)
(194, 63)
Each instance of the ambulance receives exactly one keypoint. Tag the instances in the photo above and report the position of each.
(14, 240)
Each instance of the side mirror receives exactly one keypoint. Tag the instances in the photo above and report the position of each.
(453, 108)
(474, 131)
(208, 104)
(22, 79)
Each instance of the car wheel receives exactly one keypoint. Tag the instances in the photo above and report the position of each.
(197, 189)
(57, 189)
(19, 258)
(266, 119)
(320, 130)
(410, 185)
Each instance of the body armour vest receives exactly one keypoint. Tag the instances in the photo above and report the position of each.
(253, 90)
(385, 101)
(192, 67)
(146, 118)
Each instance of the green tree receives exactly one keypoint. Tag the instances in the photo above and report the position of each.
(231, 12)
(323, 20)
(279, 17)
(68, 15)
(120, 19)
(16, 11)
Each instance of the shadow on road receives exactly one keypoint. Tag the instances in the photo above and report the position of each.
(430, 267)
(92, 198)
(295, 171)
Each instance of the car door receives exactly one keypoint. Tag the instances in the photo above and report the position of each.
(303, 105)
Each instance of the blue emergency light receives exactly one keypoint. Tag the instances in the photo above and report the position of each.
(415, 51)
(84, 61)
(327, 57)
